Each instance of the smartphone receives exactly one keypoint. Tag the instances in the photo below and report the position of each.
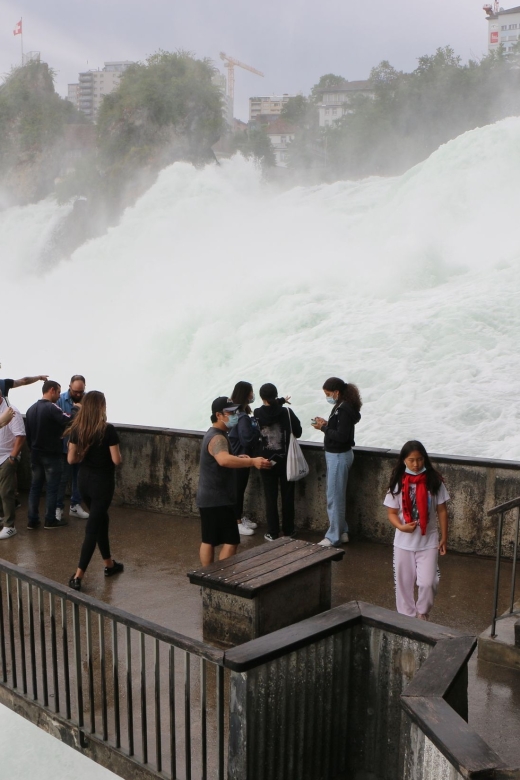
(313, 421)
(7, 401)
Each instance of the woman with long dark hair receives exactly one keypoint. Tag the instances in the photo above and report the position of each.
(94, 444)
(339, 456)
(275, 424)
(244, 439)
(415, 500)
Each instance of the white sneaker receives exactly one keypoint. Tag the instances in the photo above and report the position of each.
(59, 513)
(78, 511)
(7, 532)
(243, 530)
(248, 523)
(344, 538)
(325, 543)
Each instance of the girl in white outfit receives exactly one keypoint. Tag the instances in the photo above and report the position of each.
(415, 501)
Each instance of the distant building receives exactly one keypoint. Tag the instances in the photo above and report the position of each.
(94, 84)
(333, 102)
(270, 106)
(280, 134)
(220, 81)
(503, 26)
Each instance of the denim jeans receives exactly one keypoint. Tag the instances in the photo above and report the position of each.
(338, 466)
(69, 473)
(44, 468)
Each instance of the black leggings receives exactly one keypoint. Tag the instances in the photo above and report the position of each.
(242, 476)
(272, 479)
(97, 490)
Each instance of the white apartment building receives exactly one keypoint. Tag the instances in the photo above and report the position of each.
(280, 134)
(503, 26)
(334, 101)
(94, 84)
(270, 105)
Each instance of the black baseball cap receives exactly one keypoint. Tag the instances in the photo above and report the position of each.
(223, 404)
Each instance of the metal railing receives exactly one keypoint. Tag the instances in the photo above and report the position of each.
(147, 692)
(500, 510)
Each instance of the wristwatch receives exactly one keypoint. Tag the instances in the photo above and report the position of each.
(12, 458)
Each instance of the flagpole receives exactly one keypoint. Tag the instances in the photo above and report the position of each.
(21, 36)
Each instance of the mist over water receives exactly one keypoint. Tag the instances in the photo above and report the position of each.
(406, 286)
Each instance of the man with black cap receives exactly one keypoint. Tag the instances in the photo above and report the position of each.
(216, 492)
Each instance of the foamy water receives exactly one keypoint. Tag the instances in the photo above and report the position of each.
(406, 286)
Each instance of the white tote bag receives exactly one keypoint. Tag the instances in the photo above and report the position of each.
(297, 466)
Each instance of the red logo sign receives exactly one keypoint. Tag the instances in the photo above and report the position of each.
(494, 37)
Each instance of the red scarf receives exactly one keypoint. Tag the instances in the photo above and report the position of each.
(421, 498)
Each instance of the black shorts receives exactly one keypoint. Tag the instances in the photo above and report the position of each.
(219, 525)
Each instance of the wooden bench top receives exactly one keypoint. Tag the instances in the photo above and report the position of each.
(247, 573)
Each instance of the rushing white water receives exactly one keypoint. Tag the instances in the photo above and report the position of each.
(406, 286)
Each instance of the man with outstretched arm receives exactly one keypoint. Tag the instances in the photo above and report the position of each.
(216, 492)
(9, 384)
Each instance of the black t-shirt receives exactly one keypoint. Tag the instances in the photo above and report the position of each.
(98, 456)
(5, 386)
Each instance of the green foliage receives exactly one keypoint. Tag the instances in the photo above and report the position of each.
(326, 82)
(32, 115)
(412, 114)
(296, 111)
(164, 109)
(254, 142)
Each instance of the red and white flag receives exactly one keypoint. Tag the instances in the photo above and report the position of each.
(18, 29)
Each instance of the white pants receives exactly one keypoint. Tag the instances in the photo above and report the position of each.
(412, 567)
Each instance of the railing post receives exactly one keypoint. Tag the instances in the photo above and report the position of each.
(513, 570)
(497, 575)
(77, 661)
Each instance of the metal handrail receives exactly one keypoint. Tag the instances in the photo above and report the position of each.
(500, 510)
(52, 646)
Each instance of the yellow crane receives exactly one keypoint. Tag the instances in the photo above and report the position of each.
(230, 63)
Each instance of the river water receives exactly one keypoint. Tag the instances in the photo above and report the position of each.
(406, 286)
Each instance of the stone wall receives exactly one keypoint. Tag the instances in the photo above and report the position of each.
(160, 472)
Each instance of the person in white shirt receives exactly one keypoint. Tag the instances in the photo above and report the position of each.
(12, 437)
(415, 502)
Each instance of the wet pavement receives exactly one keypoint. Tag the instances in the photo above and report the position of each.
(158, 550)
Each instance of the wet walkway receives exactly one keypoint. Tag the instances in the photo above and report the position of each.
(158, 550)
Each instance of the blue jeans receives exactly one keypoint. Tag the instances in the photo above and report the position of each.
(338, 466)
(69, 472)
(44, 468)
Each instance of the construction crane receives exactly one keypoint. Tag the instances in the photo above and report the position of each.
(229, 63)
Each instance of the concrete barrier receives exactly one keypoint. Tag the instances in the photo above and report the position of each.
(160, 472)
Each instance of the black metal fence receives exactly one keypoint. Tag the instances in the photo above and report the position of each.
(501, 511)
(147, 692)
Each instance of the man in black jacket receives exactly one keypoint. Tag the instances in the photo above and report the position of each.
(44, 424)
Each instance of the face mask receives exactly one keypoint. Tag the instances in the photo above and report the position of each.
(331, 400)
(414, 473)
(252, 399)
(232, 420)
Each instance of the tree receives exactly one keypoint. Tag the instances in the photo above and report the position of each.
(32, 122)
(254, 142)
(164, 110)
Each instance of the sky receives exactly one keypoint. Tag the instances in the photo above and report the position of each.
(293, 42)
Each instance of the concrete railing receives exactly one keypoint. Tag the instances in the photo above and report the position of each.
(355, 692)
(161, 466)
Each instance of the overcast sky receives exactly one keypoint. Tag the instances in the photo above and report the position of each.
(293, 42)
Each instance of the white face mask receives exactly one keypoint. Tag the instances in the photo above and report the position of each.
(331, 400)
(252, 399)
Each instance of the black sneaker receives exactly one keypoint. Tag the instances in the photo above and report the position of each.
(117, 568)
(33, 524)
(270, 538)
(56, 524)
(75, 583)
(17, 503)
